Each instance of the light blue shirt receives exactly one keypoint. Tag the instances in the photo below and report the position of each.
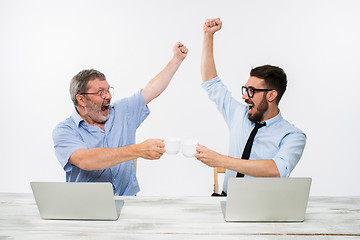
(125, 116)
(279, 140)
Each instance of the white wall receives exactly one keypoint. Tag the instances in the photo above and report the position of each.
(43, 44)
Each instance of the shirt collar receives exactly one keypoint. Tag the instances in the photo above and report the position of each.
(274, 120)
(77, 118)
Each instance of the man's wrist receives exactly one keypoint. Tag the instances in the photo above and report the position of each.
(223, 161)
(134, 150)
(177, 60)
(208, 36)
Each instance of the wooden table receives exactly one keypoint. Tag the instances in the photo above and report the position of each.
(179, 218)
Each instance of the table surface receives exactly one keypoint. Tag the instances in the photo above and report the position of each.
(179, 218)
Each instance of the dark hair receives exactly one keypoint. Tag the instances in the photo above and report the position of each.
(79, 83)
(274, 77)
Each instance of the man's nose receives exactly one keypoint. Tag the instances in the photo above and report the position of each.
(108, 95)
(245, 96)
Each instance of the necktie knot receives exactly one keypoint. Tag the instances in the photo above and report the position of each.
(259, 125)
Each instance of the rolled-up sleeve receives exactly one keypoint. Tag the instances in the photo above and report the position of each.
(290, 151)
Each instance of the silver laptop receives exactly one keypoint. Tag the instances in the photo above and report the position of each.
(266, 199)
(76, 200)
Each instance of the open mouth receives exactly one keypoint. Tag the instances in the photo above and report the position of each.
(105, 108)
(251, 105)
(105, 105)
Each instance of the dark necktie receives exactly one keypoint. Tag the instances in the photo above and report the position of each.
(249, 143)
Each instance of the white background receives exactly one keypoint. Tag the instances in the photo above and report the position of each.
(43, 44)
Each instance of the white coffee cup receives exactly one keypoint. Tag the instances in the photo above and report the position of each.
(172, 145)
(189, 147)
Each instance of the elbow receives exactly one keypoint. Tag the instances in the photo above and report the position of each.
(84, 165)
(79, 158)
(276, 174)
(150, 93)
(207, 77)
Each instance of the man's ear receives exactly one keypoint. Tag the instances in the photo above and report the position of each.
(272, 95)
(81, 100)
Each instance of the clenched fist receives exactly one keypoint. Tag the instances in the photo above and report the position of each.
(180, 51)
(212, 25)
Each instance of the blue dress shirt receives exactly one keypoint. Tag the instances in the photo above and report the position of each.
(278, 140)
(125, 116)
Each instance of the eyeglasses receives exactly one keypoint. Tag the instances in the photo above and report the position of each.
(102, 93)
(251, 91)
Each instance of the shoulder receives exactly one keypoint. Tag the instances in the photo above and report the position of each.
(67, 123)
(65, 127)
(290, 127)
(290, 131)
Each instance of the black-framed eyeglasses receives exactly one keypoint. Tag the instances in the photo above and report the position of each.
(102, 93)
(251, 91)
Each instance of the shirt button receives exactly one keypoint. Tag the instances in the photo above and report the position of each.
(114, 179)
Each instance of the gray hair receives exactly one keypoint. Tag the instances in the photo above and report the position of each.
(79, 83)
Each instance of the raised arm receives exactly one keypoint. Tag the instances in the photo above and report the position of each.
(159, 83)
(207, 66)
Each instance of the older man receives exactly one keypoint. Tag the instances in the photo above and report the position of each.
(97, 142)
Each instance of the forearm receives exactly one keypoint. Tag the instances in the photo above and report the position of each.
(102, 158)
(160, 82)
(254, 168)
(207, 66)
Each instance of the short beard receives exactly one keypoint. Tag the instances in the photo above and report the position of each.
(94, 112)
(259, 114)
